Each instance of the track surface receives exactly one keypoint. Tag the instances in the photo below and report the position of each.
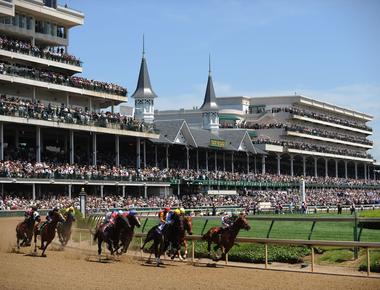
(70, 269)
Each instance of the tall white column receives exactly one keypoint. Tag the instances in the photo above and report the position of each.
(167, 156)
(345, 169)
(206, 160)
(304, 165)
(123, 190)
(187, 158)
(155, 156)
(138, 153)
(216, 160)
(336, 168)
(291, 165)
(315, 166)
(224, 161)
(197, 160)
(247, 163)
(117, 150)
(71, 148)
(144, 148)
(102, 191)
(94, 149)
(34, 191)
(145, 191)
(69, 190)
(38, 144)
(356, 170)
(263, 164)
(365, 171)
(326, 167)
(1, 141)
(232, 162)
(278, 164)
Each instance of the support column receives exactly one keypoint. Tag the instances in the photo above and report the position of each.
(102, 191)
(71, 147)
(67, 100)
(263, 165)
(123, 190)
(117, 150)
(336, 168)
(224, 161)
(69, 190)
(38, 144)
(144, 151)
(167, 156)
(232, 162)
(278, 164)
(197, 160)
(216, 161)
(94, 149)
(365, 171)
(206, 160)
(138, 150)
(304, 165)
(145, 191)
(90, 104)
(255, 162)
(187, 158)
(345, 169)
(34, 191)
(247, 163)
(326, 167)
(315, 166)
(1, 141)
(34, 93)
(291, 165)
(356, 170)
(155, 156)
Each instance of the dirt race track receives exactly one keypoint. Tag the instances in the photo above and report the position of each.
(70, 269)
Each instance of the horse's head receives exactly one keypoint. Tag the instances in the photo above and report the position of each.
(57, 217)
(242, 222)
(189, 224)
(134, 220)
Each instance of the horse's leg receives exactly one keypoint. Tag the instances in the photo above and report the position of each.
(35, 241)
(100, 241)
(45, 247)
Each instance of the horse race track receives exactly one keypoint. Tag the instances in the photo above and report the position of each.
(69, 269)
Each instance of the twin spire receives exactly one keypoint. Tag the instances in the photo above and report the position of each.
(209, 102)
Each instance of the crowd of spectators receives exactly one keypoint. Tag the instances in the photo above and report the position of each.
(60, 79)
(311, 131)
(26, 47)
(20, 107)
(25, 169)
(312, 147)
(249, 200)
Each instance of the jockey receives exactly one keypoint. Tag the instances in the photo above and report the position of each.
(50, 214)
(226, 220)
(114, 215)
(132, 212)
(30, 213)
(69, 209)
(162, 215)
(182, 211)
(107, 217)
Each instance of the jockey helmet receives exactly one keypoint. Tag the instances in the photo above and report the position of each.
(177, 211)
(71, 208)
(120, 212)
(167, 209)
(132, 212)
(55, 209)
(182, 210)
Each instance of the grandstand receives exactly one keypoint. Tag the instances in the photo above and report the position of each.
(60, 132)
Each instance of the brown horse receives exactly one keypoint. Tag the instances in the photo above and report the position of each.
(126, 234)
(225, 238)
(24, 232)
(188, 227)
(64, 229)
(47, 232)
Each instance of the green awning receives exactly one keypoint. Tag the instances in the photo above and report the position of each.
(228, 118)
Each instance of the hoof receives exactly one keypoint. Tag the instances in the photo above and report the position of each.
(43, 255)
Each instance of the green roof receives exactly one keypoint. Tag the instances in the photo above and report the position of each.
(228, 117)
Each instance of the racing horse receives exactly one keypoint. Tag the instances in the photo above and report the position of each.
(169, 236)
(47, 232)
(225, 238)
(24, 231)
(110, 234)
(126, 234)
(188, 227)
(64, 229)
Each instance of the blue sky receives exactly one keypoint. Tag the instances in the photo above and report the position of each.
(326, 49)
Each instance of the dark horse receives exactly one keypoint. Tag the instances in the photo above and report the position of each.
(162, 239)
(225, 238)
(64, 229)
(126, 234)
(47, 232)
(110, 233)
(188, 227)
(24, 232)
